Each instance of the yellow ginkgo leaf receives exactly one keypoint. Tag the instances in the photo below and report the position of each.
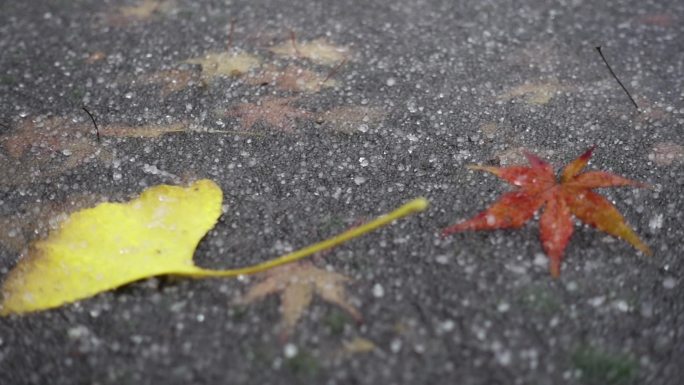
(111, 244)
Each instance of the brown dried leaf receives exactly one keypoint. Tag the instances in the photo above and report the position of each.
(666, 153)
(274, 112)
(319, 51)
(45, 136)
(292, 78)
(296, 284)
(44, 147)
(173, 80)
(96, 57)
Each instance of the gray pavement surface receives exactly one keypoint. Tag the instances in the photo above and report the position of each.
(425, 88)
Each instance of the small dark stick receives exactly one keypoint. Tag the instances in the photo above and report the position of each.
(293, 39)
(97, 130)
(333, 72)
(616, 78)
(230, 34)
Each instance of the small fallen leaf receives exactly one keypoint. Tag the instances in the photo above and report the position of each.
(172, 80)
(145, 131)
(534, 93)
(572, 196)
(319, 51)
(225, 64)
(96, 57)
(44, 147)
(277, 113)
(297, 283)
(658, 19)
(292, 78)
(666, 153)
(111, 244)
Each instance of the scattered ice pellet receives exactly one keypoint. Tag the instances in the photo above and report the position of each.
(391, 81)
(378, 291)
(395, 345)
(442, 259)
(503, 307)
(447, 325)
(363, 162)
(290, 350)
(621, 305)
(597, 301)
(655, 223)
(669, 283)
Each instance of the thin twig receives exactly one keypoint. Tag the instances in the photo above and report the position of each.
(230, 34)
(293, 39)
(97, 130)
(616, 78)
(333, 72)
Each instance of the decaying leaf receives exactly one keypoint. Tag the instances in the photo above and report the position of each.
(296, 284)
(95, 57)
(145, 131)
(319, 51)
(45, 136)
(666, 153)
(141, 11)
(278, 113)
(45, 147)
(112, 244)
(534, 93)
(225, 64)
(173, 80)
(572, 196)
(351, 118)
(292, 78)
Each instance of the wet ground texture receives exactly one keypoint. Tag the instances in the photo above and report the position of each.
(316, 116)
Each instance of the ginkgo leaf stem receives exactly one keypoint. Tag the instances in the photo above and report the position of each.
(414, 206)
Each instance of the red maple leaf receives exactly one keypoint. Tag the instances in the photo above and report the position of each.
(572, 196)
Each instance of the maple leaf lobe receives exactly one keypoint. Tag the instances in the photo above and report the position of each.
(560, 201)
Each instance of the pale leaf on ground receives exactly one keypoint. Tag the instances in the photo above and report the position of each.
(277, 113)
(225, 64)
(319, 51)
(292, 78)
(534, 93)
(296, 284)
